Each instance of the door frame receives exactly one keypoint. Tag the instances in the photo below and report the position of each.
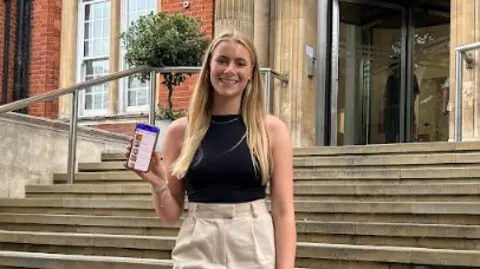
(406, 64)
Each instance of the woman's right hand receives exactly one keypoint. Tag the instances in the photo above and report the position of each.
(156, 175)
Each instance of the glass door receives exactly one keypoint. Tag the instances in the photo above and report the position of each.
(429, 40)
(368, 56)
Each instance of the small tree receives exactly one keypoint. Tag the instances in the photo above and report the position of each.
(162, 40)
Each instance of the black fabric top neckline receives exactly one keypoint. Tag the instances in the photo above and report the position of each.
(225, 117)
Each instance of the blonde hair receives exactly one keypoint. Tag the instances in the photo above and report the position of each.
(253, 114)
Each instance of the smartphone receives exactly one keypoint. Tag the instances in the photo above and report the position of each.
(143, 145)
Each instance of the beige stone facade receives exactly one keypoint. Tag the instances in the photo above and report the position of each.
(465, 29)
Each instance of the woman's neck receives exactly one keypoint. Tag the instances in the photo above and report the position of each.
(229, 106)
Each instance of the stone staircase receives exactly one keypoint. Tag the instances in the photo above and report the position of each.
(385, 206)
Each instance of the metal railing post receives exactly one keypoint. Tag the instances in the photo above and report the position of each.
(153, 96)
(458, 95)
(72, 140)
(268, 79)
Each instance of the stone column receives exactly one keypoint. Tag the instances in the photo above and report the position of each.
(261, 31)
(235, 15)
(115, 8)
(463, 13)
(68, 54)
(293, 27)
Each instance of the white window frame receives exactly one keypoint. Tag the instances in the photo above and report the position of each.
(81, 60)
(123, 85)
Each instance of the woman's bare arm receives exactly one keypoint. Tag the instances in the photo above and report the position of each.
(169, 204)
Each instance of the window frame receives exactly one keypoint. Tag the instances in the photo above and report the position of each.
(123, 84)
(82, 60)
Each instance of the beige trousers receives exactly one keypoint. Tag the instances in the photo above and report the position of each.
(221, 236)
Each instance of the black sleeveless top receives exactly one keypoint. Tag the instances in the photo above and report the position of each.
(222, 170)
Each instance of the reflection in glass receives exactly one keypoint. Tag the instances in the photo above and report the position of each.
(431, 68)
(369, 74)
(137, 92)
(96, 97)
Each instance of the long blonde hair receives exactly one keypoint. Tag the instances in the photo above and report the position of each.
(253, 114)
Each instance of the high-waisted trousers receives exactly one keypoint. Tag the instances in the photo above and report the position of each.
(221, 236)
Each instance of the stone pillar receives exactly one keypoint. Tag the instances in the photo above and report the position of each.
(476, 70)
(293, 27)
(235, 15)
(68, 53)
(115, 9)
(463, 13)
(261, 31)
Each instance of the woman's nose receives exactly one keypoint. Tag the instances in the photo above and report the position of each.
(230, 68)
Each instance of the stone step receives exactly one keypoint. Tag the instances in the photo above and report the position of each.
(311, 255)
(367, 256)
(433, 159)
(410, 148)
(99, 177)
(407, 160)
(312, 175)
(153, 247)
(38, 260)
(21, 259)
(404, 148)
(411, 212)
(388, 173)
(354, 192)
(393, 234)
(367, 181)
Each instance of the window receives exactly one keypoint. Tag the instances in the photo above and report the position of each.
(94, 51)
(135, 95)
(96, 96)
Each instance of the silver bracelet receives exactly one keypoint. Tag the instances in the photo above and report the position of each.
(159, 189)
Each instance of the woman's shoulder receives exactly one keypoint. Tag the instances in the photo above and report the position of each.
(274, 123)
(277, 130)
(279, 136)
(176, 130)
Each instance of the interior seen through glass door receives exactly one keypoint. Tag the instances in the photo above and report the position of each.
(369, 74)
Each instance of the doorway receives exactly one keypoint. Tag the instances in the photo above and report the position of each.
(389, 72)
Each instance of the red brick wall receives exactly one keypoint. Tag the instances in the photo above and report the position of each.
(121, 128)
(200, 10)
(45, 56)
(44, 53)
(2, 45)
(12, 40)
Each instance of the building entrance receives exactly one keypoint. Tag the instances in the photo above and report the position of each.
(389, 72)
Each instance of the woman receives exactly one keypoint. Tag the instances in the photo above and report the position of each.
(222, 155)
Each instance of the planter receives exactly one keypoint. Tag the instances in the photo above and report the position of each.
(162, 125)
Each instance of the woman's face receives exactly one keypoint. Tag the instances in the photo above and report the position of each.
(230, 69)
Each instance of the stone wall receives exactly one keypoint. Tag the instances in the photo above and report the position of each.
(32, 149)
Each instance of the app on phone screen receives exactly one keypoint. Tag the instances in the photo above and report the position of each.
(142, 147)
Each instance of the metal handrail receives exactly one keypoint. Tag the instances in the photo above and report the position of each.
(187, 69)
(459, 51)
(70, 89)
(74, 90)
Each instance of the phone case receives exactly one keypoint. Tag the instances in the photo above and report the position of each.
(143, 146)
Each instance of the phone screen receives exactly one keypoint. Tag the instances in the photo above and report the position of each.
(143, 145)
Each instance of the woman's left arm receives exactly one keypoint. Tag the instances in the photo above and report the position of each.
(281, 191)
